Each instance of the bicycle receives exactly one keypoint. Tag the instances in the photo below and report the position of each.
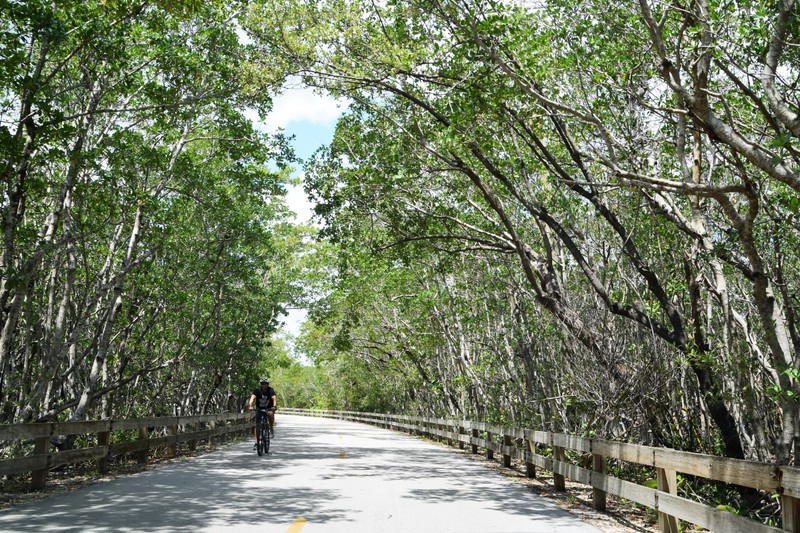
(263, 431)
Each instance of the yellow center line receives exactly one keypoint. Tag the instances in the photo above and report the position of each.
(297, 525)
(341, 454)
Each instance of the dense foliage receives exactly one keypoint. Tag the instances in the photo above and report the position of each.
(579, 215)
(142, 223)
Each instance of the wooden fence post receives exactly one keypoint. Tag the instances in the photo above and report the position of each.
(667, 482)
(790, 511)
(506, 457)
(475, 435)
(39, 477)
(490, 443)
(172, 442)
(598, 495)
(192, 443)
(461, 432)
(559, 483)
(211, 425)
(103, 439)
(144, 435)
(530, 468)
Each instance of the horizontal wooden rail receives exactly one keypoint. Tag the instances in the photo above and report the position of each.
(522, 444)
(176, 430)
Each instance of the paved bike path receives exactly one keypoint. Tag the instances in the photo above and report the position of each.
(321, 476)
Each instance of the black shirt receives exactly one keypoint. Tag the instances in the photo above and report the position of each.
(264, 398)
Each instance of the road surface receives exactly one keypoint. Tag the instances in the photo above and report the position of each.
(321, 476)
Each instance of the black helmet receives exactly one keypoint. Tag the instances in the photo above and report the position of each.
(264, 380)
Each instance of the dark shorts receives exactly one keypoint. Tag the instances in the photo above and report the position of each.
(261, 414)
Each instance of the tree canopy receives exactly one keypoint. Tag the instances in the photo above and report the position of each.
(143, 213)
(579, 213)
(580, 216)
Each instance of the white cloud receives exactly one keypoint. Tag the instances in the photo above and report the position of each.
(298, 202)
(302, 104)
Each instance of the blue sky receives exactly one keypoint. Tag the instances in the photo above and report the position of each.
(311, 118)
(309, 136)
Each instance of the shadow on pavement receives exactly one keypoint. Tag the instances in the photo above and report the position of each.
(235, 489)
(233, 486)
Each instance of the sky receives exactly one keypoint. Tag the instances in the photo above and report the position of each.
(311, 118)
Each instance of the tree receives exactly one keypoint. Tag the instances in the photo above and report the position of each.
(595, 160)
(140, 213)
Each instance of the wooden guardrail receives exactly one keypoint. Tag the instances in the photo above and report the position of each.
(523, 444)
(151, 433)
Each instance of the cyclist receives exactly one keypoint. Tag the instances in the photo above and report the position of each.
(264, 398)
